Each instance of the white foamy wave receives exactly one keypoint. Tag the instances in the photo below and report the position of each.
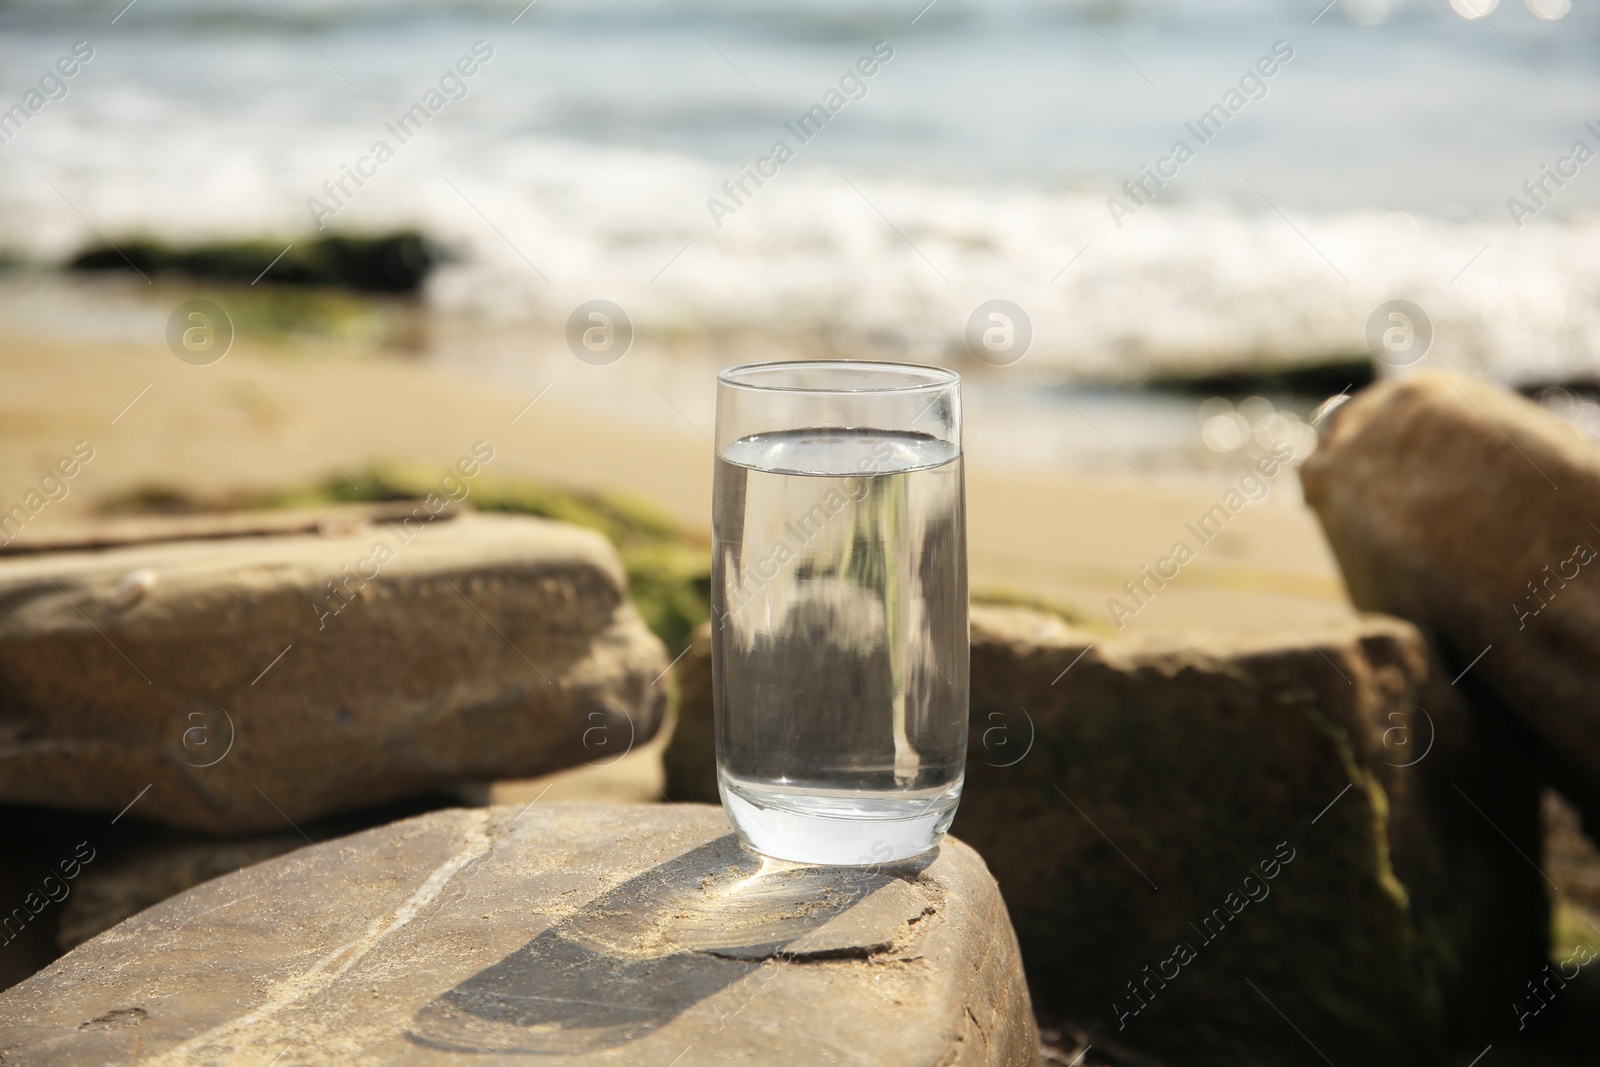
(823, 257)
(899, 266)
(913, 207)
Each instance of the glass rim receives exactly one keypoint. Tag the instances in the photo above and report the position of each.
(932, 379)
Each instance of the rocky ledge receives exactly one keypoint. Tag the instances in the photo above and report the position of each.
(243, 683)
(577, 934)
(1198, 835)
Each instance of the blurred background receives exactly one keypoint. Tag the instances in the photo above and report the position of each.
(1169, 344)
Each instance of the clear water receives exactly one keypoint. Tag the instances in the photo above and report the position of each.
(839, 586)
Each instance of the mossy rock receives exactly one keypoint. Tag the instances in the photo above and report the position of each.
(1133, 803)
(669, 571)
(1123, 789)
(381, 263)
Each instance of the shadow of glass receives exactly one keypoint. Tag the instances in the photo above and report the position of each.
(645, 952)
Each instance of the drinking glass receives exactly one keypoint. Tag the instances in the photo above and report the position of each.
(839, 608)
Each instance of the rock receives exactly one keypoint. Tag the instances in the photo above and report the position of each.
(40, 867)
(116, 531)
(229, 686)
(1312, 380)
(1571, 859)
(381, 263)
(691, 756)
(104, 897)
(635, 777)
(1472, 512)
(1308, 819)
(137, 866)
(606, 934)
(1102, 767)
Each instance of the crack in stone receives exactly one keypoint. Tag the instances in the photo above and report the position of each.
(830, 955)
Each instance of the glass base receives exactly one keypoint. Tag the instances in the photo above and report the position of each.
(837, 828)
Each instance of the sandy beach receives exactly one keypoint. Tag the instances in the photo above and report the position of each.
(264, 418)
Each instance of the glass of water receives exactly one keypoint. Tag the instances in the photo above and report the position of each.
(839, 608)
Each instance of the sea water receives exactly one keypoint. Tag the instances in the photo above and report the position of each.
(590, 144)
(839, 593)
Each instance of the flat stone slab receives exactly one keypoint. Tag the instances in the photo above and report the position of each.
(118, 531)
(239, 684)
(558, 934)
